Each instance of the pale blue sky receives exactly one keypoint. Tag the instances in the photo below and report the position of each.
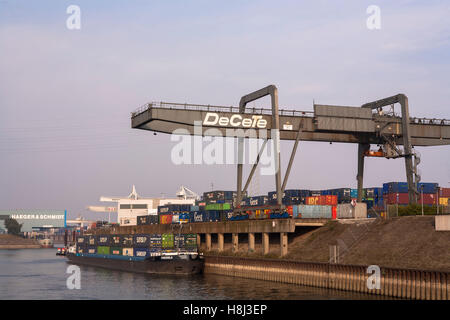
(66, 95)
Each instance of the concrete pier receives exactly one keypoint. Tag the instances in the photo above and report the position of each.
(265, 242)
(399, 283)
(220, 242)
(235, 242)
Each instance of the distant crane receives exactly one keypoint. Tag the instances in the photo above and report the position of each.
(186, 193)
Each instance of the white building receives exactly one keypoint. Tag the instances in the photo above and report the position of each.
(129, 208)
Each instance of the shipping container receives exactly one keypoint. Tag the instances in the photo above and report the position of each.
(141, 240)
(175, 218)
(155, 241)
(92, 241)
(165, 219)
(116, 251)
(259, 201)
(127, 252)
(314, 211)
(103, 240)
(82, 240)
(103, 250)
(115, 241)
(179, 241)
(427, 187)
(197, 216)
(444, 192)
(348, 211)
(325, 200)
(126, 240)
(154, 219)
(218, 206)
(443, 201)
(428, 199)
(81, 248)
(141, 252)
(167, 240)
(143, 220)
(353, 193)
(91, 250)
(190, 240)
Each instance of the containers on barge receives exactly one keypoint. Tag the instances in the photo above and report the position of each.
(142, 245)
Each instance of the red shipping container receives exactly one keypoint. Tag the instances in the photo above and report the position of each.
(397, 198)
(333, 212)
(290, 210)
(428, 198)
(403, 198)
(165, 219)
(444, 192)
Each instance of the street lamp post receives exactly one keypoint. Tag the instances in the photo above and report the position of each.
(421, 191)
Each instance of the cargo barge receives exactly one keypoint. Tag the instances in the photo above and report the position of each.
(182, 264)
(142, 253)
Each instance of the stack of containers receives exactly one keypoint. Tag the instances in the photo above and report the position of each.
(141, 245)
(82, 244)
(397, 193)
(103, 244)
(197, 214)
(219, 205)
(155, 243)
(91, 244)
(174, 213)
(322, 206)
(290, 197)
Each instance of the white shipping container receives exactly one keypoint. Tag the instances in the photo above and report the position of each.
(127, 252)
(347, 211)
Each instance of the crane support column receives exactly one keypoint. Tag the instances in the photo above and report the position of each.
(403, 100)
(362, 148)
(275, 135)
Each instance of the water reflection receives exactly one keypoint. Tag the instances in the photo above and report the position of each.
(39, 274)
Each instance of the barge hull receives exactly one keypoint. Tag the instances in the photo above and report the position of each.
(175, 266)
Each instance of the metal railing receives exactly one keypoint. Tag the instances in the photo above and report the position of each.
(212, 108)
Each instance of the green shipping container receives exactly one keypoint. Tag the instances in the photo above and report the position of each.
(190, 240)
(218, 206)
(103, 250)
(116, 251)
(167, 240)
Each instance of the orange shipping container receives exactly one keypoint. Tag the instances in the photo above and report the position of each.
(333, 212)
(322, 200)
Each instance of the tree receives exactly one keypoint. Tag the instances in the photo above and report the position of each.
(13, 226)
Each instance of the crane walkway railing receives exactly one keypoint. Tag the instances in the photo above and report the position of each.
(262, 111)
(212, 108)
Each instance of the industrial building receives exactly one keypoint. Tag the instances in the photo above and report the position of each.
(35, 220)
(129, 208)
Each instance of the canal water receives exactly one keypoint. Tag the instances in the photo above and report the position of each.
(40, 274)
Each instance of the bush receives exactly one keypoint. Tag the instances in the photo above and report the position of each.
(416, 210)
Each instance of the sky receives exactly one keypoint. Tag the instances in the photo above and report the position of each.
(66, 95)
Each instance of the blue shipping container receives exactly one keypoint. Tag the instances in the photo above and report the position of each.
(141, 252)
(315, 211)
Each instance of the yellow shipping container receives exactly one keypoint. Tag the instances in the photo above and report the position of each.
(443, 201)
